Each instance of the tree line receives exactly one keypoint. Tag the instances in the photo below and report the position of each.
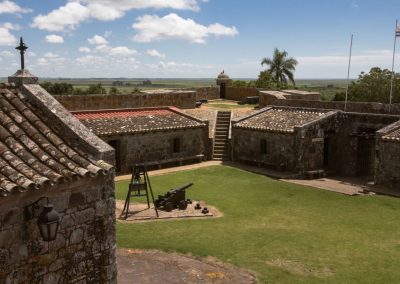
(59, 89)
(373, 86)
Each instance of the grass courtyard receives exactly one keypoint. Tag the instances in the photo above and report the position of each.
(286, 233)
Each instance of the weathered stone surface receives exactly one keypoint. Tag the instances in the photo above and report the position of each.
(48, 155)
(77, 199)
(181, 99)
(76, 236)
(360, 107)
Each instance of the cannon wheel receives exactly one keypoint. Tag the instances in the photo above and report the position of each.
(169, 206)
(182, 205)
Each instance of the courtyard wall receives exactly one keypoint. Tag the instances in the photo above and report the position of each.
(179, 99)
(361, 107)
(158, 147)
(207, 93)
(280, 151)
(84, 250)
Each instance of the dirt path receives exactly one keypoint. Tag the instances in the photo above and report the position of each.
(156, 267)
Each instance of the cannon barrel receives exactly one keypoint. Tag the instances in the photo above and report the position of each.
(186, 186)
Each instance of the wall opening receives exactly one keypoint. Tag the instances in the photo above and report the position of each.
(263, 146)
(365, 156)
(177, 145)
(327, 143)
(116, 144)
(222, 91)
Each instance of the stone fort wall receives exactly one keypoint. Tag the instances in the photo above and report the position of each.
(84, 250)
(240, 93)
(179, 99)
(361, 107)
(207, 93)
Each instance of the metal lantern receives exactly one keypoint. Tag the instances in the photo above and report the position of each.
(48, 222)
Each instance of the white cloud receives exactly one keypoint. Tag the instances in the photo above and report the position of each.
(89, 59)
(9, 7)
(6, 38)
(10, 26)
(84, 49)
(370, 57)
(67, 17)
(107, 33)
(7, 53)
(97, 40)
(153, 28)
(155, 53)
(106, 10)
(51, 59)
(121, 51)
(54, 39)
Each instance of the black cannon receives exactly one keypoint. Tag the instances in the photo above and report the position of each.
(174, 198)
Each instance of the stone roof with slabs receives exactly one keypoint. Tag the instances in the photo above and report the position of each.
(136, 120)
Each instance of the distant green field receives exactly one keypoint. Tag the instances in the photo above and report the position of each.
(327, 87)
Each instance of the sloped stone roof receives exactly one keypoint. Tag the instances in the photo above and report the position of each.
(280, 119)
(32, 154)
(127, 121)
(393, 136)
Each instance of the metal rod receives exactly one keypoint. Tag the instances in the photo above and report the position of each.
(391, 80)
(348, 73)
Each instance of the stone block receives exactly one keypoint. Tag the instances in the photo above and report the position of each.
(76, 236)
(84, 216)
(76, 199)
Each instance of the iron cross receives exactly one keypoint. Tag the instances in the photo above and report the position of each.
(22, 47)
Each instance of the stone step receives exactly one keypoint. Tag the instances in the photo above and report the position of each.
(218, 158)
(221, 153)
(221, 144)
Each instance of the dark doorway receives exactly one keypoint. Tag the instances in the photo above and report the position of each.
(116, 145)
(365, 156)
(327, 143)
(222, 91)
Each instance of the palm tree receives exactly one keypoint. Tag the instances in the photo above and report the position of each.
(281, 67)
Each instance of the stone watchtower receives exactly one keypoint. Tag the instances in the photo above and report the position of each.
(223, 81)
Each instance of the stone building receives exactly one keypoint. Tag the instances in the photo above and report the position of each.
(159, 136)
(282, 138)
(269, 97)
(48, 156)
(313, 142)
(388, 156)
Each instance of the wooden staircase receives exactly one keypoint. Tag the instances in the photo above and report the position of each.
(221, 142)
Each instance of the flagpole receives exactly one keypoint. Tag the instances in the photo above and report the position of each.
(348, 72)
(391, 80)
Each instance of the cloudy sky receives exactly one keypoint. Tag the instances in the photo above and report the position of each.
(195, 38)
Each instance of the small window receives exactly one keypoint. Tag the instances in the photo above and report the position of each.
(177, 145)
(263, 146)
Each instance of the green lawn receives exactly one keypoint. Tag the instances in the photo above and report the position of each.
(286, 233)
